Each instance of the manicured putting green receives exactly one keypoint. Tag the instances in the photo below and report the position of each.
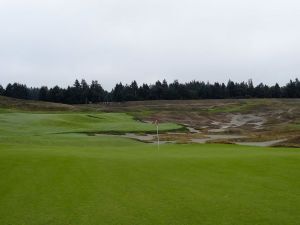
(72, 178)
(45, 123)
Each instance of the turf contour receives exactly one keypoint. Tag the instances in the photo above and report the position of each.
(49, 175)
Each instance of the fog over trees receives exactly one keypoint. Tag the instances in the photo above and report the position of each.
(83, 93)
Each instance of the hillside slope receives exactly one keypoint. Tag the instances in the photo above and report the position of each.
(7, 103)
(259, 120)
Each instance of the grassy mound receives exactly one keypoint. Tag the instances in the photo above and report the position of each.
(12, 104)
(27, 124)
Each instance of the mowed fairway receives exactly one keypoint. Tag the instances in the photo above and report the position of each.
(51, 172)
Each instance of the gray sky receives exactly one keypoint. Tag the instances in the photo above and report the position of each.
(49, 42)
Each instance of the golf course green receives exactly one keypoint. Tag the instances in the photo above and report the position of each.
(53, 172)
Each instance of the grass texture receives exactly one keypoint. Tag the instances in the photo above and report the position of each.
(51, 174)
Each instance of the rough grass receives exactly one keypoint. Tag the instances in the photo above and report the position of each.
(295, 125)
(237, 107)
(12, 105)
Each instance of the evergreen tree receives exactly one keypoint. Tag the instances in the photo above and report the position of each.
(16, 90)
(132, 94)
(224, 93)
(118, 93)
(1, 90)
(297, 88)
(33, 93)
(156, 91)
(76, 91)
(84, 92)
(174, 90)
(43, 94)
(165, 90)
(192, 89)
(291, 89)
(56, 94)
(96, 93)
(250, 89)
(275, 91)
(144, 92)
(202, 90)
(231, 89)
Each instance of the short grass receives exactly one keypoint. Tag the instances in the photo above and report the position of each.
(49, 123)
(49, 175)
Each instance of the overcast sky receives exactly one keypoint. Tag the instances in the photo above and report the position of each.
(49, 42)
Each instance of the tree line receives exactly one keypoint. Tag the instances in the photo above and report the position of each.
(84, 93)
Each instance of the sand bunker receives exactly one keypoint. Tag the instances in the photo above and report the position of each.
(151, 138)
(213, 137)
(239, 120)
(261, 144)
(193, 130)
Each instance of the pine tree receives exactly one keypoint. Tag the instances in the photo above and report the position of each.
(133, 91)
(84, 92)
(96, 93)
(43, 94)
(118, 93)
(1, 90)
(275, 91)
(144, 92)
